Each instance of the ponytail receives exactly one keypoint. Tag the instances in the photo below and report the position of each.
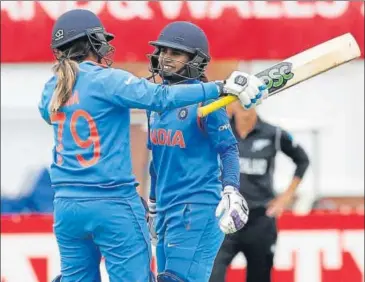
(66, 71)
(67, 68)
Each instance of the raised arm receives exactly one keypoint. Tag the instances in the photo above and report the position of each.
(139, 93)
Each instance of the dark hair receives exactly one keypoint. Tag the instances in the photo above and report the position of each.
(203, 78)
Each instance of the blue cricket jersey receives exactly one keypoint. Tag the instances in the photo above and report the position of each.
(185, 155)
(91, 131)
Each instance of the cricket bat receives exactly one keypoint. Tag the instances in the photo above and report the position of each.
(299, 67)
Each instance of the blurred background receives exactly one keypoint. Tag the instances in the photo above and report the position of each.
(325, 115)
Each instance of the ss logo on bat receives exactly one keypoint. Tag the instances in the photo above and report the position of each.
(277, 76)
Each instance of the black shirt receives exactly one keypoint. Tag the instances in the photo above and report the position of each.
(257, 160)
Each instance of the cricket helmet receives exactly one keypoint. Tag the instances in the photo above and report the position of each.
(186, 37)
(80, 24)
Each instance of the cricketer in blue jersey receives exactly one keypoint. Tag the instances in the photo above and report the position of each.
(192, 160)
(97, 211)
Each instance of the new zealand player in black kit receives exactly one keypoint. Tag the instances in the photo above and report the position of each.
(258, 143)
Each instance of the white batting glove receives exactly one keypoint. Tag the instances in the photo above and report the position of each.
(234, 209)
(248, 88)
(152, 221)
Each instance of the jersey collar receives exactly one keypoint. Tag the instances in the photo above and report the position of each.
(93, 64)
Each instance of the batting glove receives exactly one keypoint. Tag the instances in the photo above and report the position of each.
(248, 88)
(152, 221)
(232, 211)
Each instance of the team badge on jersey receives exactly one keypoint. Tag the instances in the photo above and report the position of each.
(260, 144)
(183, 113)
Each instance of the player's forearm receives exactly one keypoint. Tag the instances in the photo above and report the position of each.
(230, 166)
(182, 95)
(293, 185)
(141, 94)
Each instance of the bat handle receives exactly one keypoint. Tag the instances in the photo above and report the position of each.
(220, 103)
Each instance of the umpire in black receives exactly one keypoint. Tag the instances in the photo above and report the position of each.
(258, 143)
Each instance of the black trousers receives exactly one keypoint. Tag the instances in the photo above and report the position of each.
(257, 242)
